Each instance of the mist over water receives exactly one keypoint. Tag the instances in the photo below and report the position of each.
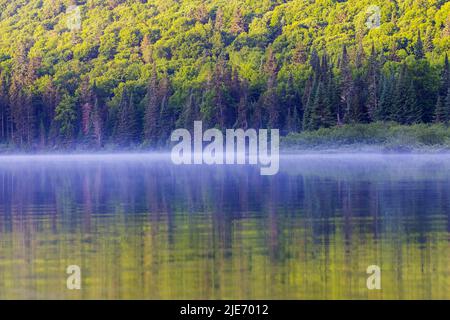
(141, 227)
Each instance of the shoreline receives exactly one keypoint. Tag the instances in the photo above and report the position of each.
(285, 149)
(283, 153)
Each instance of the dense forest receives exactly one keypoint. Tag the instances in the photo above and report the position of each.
(132, 71)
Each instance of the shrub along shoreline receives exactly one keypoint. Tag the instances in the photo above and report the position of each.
(373, 137)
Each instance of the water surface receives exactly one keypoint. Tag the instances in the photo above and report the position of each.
(140, 227)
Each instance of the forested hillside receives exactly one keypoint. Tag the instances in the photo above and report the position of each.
(132, 71)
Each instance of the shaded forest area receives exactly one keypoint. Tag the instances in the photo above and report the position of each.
(135, 70)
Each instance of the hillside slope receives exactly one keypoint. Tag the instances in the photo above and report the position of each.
(133, 70)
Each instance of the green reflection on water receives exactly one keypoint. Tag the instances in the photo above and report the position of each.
(148, 230)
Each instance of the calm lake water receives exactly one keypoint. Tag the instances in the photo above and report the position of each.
(140, 227)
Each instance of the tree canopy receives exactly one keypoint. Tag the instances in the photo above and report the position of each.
(134, 70)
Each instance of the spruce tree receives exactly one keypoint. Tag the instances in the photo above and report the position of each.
(5, 110)
(126, 123)
(270, 99)
(318, 112)
(346, 84)
(314, 61)
(315, 106)
(3, 116)
(412, 111)
(87, 105)
(152, 110)
(309, 97)
(447, 104)
(66, 116)
(329, 98)
(190, 112)
(292, 105)
(440, 112)
(97, 121)
(352, 107)
(165, 116)
(271, 105)
(418, 48)
(324, 68)
(373, 80)
(50, 98)
(385, 110)
(20, 97)
(400, 97)
(292, 121)
(331, 115)
(242, 109)
(445, 78)
(218, 97)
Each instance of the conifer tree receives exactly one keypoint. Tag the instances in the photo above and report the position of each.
(190, 112)
(332, 102)
(447, 103)
(323, 107)
(292, 106)
(126, 123)
(353, 105)
(4, 110)
(385, 110)
(242, 109)
(220, 93)
(22, 111)
(373, 79)
(50, 98)
(412, 112)
(87, 105)
(440, 113)
(270, 99)
(97, 122)
(418, 48)
(314, 61)
(445, 78)
(400, 97)
(67, 117)
(165, 116)
(446, 106)
(315, 105)
(152, 110)
(309, 99)
(346, 84)
(235, 86)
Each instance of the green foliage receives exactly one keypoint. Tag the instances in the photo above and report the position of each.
(384, 136)
(66, 116)
(392, 72)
